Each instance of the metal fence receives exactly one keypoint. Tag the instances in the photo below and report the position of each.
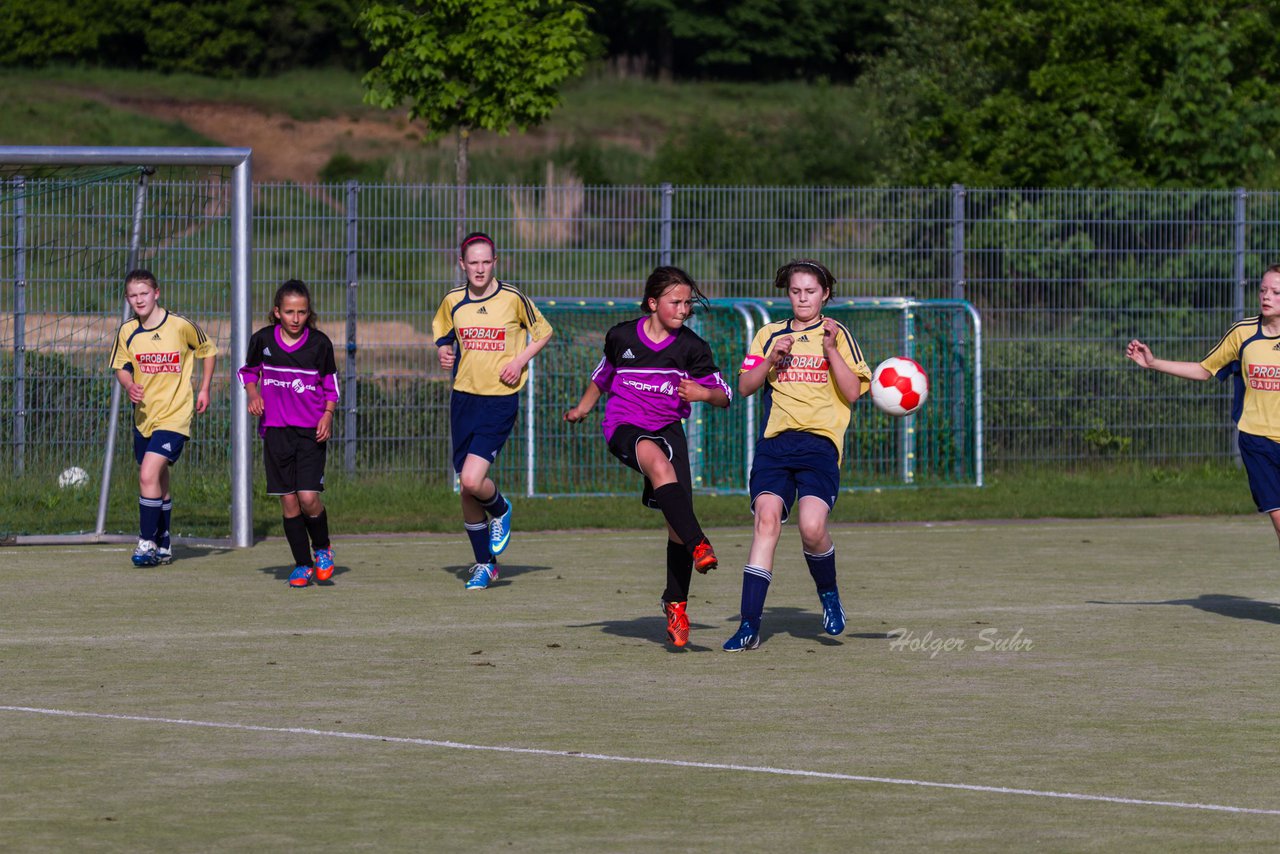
(1061, 280)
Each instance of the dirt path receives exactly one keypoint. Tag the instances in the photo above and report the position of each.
(285, 149)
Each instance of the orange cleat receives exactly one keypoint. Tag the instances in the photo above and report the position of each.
(324, 564)
(704, 557)
(677, 622)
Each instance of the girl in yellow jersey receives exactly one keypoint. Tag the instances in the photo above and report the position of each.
(154, 361)
(811, 371)
(486, 333)
(1249, 354)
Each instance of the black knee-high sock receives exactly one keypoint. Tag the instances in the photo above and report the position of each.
(295, 531)
(318, 528)
(677, 509)
(679, 571)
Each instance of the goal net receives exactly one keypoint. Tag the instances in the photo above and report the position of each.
(73, 222)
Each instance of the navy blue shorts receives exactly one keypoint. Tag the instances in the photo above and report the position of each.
(671, 438)
(481, 424)
(1261, 458)
(794, 464)
(166, 443)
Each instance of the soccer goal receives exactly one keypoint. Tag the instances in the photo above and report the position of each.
(73, 221)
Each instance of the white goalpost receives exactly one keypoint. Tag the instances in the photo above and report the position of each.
(73, 220)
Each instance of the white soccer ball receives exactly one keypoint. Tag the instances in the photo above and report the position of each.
(73, 478)
(899, 386)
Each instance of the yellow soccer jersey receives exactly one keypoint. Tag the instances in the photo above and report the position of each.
(1252, 360)
(800, 394)
(489, 333)
(162, 359)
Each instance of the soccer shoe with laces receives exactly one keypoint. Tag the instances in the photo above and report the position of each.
(164, 556)
(704, 557)
(145, 554)
(677, 622)
(301, 576)
(500, 532)
(747, 637)
(832, 612)
(324, 564)
(481, 575)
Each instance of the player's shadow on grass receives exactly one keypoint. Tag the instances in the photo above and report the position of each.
(797, 622)
(1223, 604)
(506, 571)
(653, 629)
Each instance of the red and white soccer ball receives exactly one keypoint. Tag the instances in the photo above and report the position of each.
(899, 386)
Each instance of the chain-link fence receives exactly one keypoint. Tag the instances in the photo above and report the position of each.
(1060, 279)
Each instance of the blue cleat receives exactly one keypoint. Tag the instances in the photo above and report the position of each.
(500, 532)
(145, 554)
(302, 576)
(481, 575)
(164, 556)
(832, 612)
(748, 637)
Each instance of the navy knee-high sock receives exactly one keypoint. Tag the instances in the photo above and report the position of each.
(495, 506)
(755, 587)
(478, 534)
(823, 569)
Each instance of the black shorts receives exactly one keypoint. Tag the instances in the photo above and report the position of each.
(622, 444)
(294, 460)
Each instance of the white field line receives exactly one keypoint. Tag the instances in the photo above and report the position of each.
(676, 763)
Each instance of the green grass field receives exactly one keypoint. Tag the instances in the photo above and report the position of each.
(207, 706)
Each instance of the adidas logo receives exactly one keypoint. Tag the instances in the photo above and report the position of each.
(628, 354)
(167, 446)
(155, 337)
(482, 310)
(804, 338)
(266, 351)
(1277, 347)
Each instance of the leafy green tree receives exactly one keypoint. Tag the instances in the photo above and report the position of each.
(467, 65)
(223, 38)
(1082, 92)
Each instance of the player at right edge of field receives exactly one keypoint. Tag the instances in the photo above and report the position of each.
(653, 368)
(812, 371)
(1249, 355)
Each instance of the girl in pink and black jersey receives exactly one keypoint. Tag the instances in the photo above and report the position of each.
(653, 368)
(290, 377)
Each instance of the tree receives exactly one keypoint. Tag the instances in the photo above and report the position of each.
(1082, 92)
(467, 65)
(745, 39)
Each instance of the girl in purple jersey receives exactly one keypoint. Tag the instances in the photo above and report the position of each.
(653, 368)
(290, 378)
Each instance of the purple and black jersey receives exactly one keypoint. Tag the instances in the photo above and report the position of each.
(295, 381)
(643, 378)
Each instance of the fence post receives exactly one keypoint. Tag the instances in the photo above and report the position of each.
(664, 234)
(1237, 309)
(957, 241)
(20, 329)
(1238, 257)
(349, 392)
(958, 328)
